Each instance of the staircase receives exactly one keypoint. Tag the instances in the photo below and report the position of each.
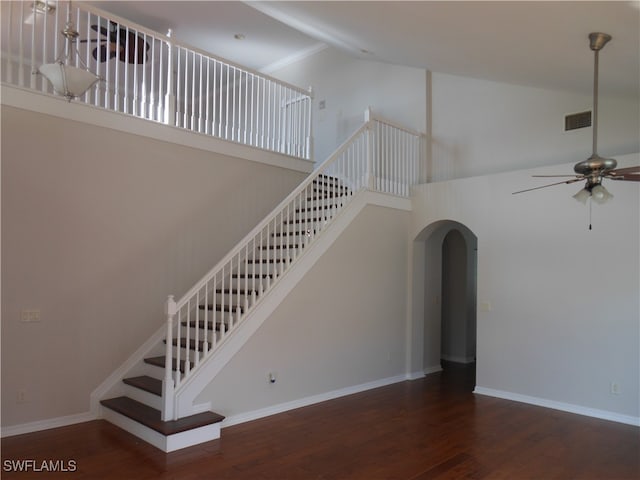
(155, 398)
(140, 410)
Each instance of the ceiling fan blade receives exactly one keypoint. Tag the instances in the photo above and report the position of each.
(626, 170)
(573, 180)
(626, 178)
(629, 174)
(556, 176)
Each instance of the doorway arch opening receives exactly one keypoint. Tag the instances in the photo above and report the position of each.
(445, 269)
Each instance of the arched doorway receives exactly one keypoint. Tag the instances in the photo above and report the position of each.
(444, 297)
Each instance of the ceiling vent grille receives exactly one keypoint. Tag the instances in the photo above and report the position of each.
(577, 120)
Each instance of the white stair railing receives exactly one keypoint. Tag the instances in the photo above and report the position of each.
(380, 156)
(155, 77)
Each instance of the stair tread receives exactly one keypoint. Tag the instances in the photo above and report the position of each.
(146, 383)
(220, 308)
(251, 275)
(160, 362)
(192, 343)
(279, 247)
(252, 261)
(200, 324)
(236, 291)
(151, 418)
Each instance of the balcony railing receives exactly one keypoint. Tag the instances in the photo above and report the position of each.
(152, 76)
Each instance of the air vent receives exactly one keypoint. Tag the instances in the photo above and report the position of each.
(577, 120)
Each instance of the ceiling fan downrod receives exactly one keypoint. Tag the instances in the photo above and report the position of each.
(595, 163)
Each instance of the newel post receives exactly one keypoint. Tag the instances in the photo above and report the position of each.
(168, 384)
(170, 98)
(369, 180)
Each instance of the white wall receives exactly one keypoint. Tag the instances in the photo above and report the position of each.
(98, 227)
(348, 86)
(343, 325)
(564, 313)
(481, 127)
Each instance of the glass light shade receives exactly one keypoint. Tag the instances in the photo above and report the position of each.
(71, 82)
(582, 195)
(600, 194)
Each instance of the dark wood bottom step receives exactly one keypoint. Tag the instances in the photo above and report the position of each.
(146, 383)
(151, 418)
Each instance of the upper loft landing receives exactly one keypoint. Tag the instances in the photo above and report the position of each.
(150, 76)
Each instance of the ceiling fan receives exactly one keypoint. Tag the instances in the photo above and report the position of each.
(128, 46)
(596, 168)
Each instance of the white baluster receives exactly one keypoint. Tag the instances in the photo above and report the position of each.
(168, 384)
(197, 331)
(205, 325)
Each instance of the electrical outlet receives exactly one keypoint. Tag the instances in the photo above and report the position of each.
(22, 396)
(614, 388)
(30, 315)
(485, 306)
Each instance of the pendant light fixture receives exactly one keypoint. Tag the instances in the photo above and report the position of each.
(67, 80)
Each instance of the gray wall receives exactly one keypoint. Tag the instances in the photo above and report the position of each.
(556, 322)
(342, 325)
(98, 227)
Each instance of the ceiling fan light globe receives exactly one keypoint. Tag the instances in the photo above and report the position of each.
(582, 195)
(600, 194)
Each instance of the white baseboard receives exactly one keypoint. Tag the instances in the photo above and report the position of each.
(432, 369)
(565, 407)
(303, 402)
(416, 375)
(47, 424)
(456, 359)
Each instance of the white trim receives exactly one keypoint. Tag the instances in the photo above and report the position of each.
(565, 407)
(47, 424)
(416, 375)
(79, 112)
(456, 359)
(166, 443)
(387, 200)
(313, 399)
(432, 369)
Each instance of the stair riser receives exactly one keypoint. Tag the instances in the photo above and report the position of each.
(268, 266)
(142, 396)
(165, 443)
(303, 223)
(319, 205)
(233, 298)
(277, 249)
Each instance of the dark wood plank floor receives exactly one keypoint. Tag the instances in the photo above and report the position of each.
(432, 428)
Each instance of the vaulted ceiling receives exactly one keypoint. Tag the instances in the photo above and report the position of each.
(541, 44)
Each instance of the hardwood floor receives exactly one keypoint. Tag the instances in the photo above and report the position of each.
(432, 428)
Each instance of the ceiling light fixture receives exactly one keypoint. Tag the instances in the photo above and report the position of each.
(67, 80)
(239, 36)
(38, 8)
(43, 7)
